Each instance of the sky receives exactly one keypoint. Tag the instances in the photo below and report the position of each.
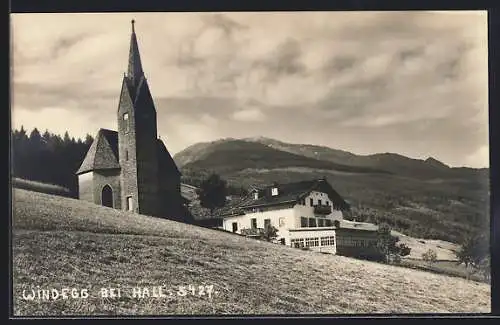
(413, 83)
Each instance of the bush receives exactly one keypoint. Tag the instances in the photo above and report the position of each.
(430, 256)
(404, 250)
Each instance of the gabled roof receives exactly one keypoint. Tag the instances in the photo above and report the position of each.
(103, 152)
(292, 192)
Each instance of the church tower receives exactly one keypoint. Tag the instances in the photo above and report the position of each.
(137, 139)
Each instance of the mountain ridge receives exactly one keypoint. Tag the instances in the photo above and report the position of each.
(377, 161)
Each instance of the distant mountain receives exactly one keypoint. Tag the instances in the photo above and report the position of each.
(390, 162)
(232, 155)
(422, 198)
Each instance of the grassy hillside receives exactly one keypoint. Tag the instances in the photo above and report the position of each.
(421, 198)
(61, 242)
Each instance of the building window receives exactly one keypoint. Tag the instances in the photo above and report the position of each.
(253, 223)
(235, 226)
(282, 222)
(274, 191)
(126, 122)
(297, 243)
(126, 155)
(328, 223)
(312, 222)
(319, 202)
(328, 241)
(321, 222)
(303, 222)
(267, 222)
(311, 202)
(130, 203)
(327, 203)
(255, 195)
(312, 242)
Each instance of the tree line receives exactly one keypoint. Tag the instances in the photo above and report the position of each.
(48, 157)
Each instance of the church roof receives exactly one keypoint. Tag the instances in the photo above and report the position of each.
(103, 152)
(166, 161)
(135, 81)
(135, 71)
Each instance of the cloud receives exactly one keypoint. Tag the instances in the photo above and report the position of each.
(179, 131)
(285, 61)
(249, 115)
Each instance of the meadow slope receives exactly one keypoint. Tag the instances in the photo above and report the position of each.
(61, 242)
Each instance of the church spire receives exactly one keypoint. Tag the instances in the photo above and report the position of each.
(134, 59)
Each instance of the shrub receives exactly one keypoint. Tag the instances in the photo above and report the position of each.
(430, 256)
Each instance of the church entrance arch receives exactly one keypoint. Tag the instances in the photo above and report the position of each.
(107, 196)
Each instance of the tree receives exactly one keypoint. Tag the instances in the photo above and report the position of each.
(430, 256)
(35, 136)
(388, 246)
(385, 241)
(88, 140)
(474, 249)
(212, 193)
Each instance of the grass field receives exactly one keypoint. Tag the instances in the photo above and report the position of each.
(444, 250)
(61, 242)
(445, 267)
(40, 187)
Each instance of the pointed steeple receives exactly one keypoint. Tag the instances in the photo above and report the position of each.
(134, 60)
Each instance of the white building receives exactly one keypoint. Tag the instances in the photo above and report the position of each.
(306, 214)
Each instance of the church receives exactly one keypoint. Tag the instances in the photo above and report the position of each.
(131, 169)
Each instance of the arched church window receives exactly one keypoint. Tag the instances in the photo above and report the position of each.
(107, 196)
